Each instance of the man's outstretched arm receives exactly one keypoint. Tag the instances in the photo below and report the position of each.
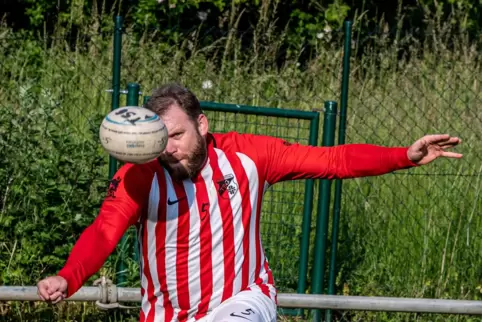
(96, 243)
(120, 209)
(286, 161)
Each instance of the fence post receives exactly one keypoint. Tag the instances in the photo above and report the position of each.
(307, 213)
(338, 182)
(133, 90)
(116, 65)
(329, 124)
(131, 100)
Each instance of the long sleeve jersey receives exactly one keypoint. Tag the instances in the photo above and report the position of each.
(199, 239)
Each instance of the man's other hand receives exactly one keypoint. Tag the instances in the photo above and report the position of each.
(431, 147)
(52, 289)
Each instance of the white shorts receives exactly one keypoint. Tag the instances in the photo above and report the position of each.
(245, 306)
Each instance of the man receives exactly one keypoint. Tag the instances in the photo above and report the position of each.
(197, 212)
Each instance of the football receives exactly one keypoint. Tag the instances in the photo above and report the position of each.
(133, 134)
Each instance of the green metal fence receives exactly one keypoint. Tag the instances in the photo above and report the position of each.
(412, 233)
(287, 207)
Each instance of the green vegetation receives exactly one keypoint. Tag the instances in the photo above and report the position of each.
(412, 234)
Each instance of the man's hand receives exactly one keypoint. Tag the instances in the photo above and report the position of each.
(52, 289)
(430, 147)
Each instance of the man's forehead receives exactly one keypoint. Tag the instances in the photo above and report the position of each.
(174, 117)
(173, 127)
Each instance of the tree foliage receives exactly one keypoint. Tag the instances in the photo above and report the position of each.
(301, 20)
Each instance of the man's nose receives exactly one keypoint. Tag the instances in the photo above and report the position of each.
(170, 147)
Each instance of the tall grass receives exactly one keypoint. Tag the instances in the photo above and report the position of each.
(414, 233)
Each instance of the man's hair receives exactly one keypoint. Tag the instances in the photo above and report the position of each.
(164, 97)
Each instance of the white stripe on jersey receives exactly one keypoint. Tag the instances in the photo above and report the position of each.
(252, 175)
(172, 214)
(146, 306)
(152, 219)
(194, 247)
(216, 238)
(236, 206)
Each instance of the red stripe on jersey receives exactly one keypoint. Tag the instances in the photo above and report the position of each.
(264, 288)
(243, 182)
(182, 252)
(270, 277)
(268, 271)
(262, 283)
(258, 215)
(228, 226)
(142, 316)
(205, 258)
(161, 246)
(147, 272)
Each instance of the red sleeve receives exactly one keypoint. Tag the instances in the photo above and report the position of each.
(285, 161)
(127, 194)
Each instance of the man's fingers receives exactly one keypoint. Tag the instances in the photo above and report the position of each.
(452, 140)
(43, 292)
(436, 138)
(42, 296)
(51, 287)
(442, 139)
(452, 155)
(56, 297)
(447, 146)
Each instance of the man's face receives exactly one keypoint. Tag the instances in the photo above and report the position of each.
(186, 151)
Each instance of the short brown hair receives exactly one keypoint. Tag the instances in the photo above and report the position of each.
(174, 94)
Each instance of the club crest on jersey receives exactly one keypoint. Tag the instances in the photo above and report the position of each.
(113, 185)
(227, 187)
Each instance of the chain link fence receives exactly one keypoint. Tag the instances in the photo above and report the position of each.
(284, 205)
(53, 173)
(414, 233)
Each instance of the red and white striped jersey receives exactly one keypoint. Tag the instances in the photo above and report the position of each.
(199, 239)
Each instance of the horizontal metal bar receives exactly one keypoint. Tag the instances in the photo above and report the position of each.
(308, 301)
(29, 293)
(371, 303)
(258, 110)
(122, 91)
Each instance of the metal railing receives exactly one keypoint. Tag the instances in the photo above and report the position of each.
(107, 296)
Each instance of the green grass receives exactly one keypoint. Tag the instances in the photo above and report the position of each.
(411, 234)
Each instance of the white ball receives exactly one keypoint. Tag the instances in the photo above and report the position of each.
(133, 134)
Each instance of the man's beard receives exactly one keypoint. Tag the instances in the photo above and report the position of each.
(195, 161)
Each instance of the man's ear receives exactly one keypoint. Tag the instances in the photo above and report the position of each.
(203, 124)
